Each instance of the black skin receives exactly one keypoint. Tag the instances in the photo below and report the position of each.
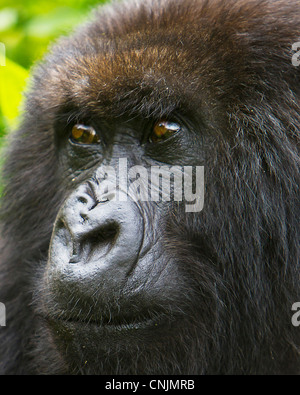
(108, 287)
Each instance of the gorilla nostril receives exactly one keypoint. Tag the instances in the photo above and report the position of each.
(107, 234)
(95, 244)
(74, 259)
(82, 199)
(84, 216)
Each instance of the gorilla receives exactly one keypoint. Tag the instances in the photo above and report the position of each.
(98, 281)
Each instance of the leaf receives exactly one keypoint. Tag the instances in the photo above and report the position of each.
(8, 18)
(60, 20)
(12, 83)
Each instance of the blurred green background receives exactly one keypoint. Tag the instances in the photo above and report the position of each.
(26, 29)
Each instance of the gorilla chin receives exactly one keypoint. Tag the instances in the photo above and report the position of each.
(97, 280)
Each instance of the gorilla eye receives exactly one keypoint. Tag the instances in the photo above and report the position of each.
(82, 134)
(162, 130)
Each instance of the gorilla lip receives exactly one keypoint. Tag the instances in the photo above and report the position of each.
(111, 321)
(114, 324)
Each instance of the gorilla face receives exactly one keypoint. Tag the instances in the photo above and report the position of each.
(111, 264)
(113, 283)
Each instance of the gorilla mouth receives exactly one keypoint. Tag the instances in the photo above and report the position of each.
(114, 326)
(117, 323)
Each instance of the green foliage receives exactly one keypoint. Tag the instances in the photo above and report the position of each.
(12, 83)
(26, 29)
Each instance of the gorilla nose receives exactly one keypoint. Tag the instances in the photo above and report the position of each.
(104, 233)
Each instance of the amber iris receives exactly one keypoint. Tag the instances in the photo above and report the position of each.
(82, 134)
(162, 130)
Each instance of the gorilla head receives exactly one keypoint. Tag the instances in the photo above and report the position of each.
(96, 280)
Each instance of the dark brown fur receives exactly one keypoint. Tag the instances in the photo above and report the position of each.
(228, 64)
